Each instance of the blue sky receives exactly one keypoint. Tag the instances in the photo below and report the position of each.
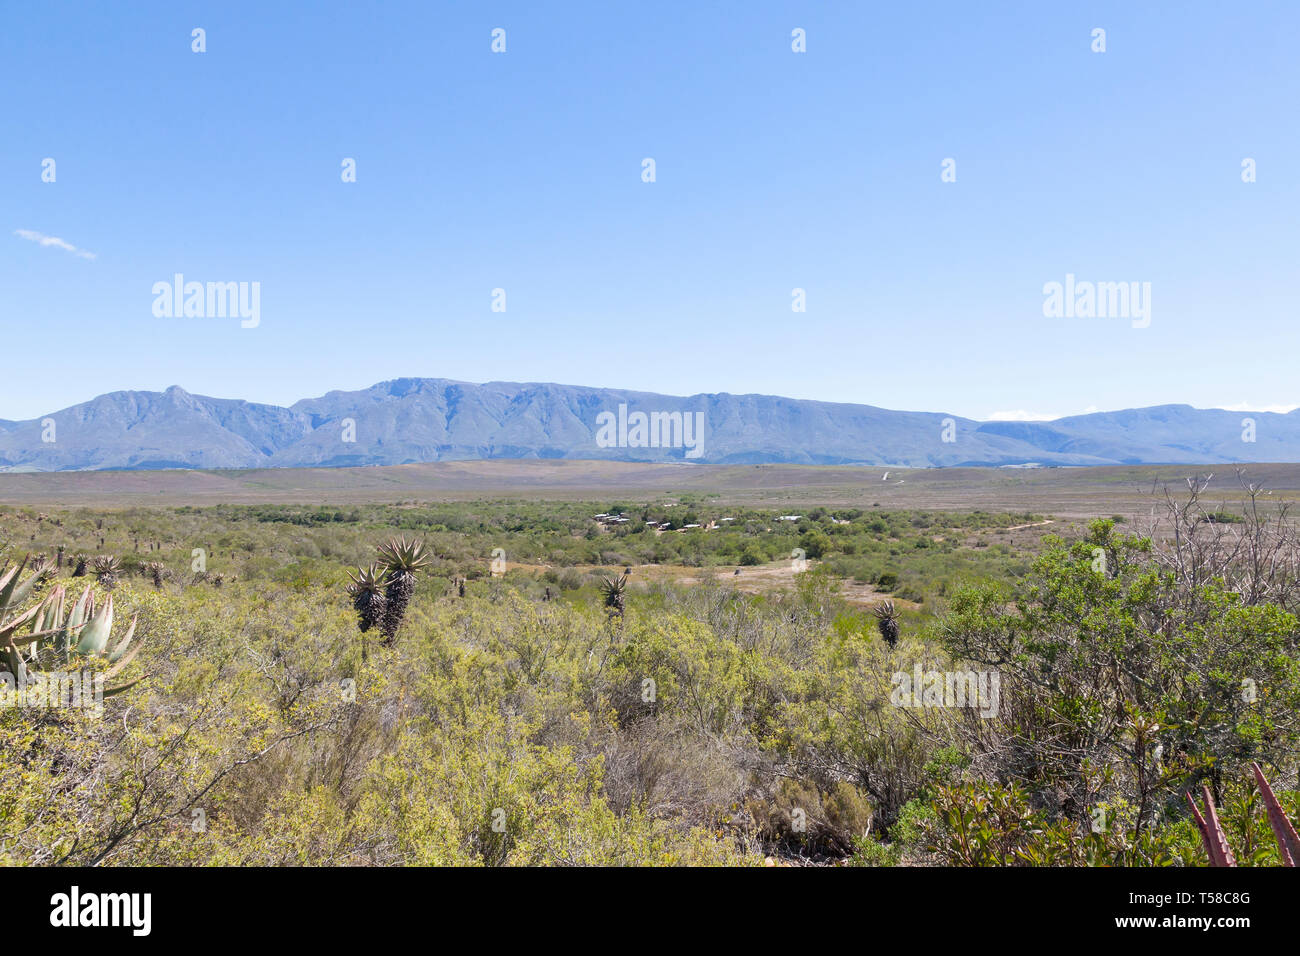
(774, 170)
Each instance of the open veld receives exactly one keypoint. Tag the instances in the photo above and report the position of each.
(1067, 492)
(557, 662)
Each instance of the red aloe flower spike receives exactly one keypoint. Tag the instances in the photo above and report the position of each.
(1288, 844)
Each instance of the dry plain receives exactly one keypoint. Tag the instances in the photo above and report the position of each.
(1064, 493)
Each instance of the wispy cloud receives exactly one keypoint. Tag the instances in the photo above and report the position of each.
(1253, 407)
(1020, 415)
(55, 241)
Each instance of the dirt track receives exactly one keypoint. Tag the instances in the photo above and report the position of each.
(758, 579)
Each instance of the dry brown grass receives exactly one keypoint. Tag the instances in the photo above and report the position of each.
(1069, 493)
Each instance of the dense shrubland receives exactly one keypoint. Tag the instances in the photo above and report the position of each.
(531, 722)
(918, 554)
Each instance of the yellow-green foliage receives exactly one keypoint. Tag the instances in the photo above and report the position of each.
(702, 726)
(262, 738)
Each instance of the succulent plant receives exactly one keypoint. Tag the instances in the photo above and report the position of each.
(13, 591)
(106, 569)
(41, 570)
(157, 571)
(367, 590)
(56, 638)
(1216, 842)
(614, 591)
(887, 623)
(401, 559)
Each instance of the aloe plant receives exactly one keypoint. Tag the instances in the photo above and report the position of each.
(106, 569)
(56, 637)
(402, 560)
(367, 591)
(1216, 842)
(614, 591)
(887, 622)
(157, 572)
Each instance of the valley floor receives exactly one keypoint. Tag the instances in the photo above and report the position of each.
(1064, 492)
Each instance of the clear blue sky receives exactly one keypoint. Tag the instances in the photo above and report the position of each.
(775, 170)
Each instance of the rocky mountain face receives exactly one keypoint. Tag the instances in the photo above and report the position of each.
(419, 420)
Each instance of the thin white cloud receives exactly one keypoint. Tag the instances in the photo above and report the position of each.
(1020, 415)
(33, 236)
(1252, 407)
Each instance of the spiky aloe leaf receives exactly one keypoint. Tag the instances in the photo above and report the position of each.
(399, 554)
(1212, 835)
(613, 589)
(94, 636)
(82, 611)
(50, 616)
(368, 598)
(118, 651)
(1288, 843)
(371, 579)
(33, 637)
(118, 667)
(86, 630)
(8, 627)
(14, 662)
(14, 591)
(615, 594)
(401, 559)
(887, 622)
(8, 581)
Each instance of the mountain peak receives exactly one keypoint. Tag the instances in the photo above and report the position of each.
(408, 420)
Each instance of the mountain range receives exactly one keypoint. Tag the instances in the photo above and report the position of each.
(412, 420)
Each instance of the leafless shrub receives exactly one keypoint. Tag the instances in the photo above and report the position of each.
(1251, 545)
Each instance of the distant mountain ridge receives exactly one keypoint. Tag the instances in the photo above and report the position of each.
(410, 420)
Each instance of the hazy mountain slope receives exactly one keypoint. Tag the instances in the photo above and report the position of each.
(420, 420)
(412, 420)
(171, 429)
(1181, 433)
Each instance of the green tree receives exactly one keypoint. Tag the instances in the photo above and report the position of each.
(815, 543)
(1121, 680)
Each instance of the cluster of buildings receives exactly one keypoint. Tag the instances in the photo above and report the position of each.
(612, 520)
